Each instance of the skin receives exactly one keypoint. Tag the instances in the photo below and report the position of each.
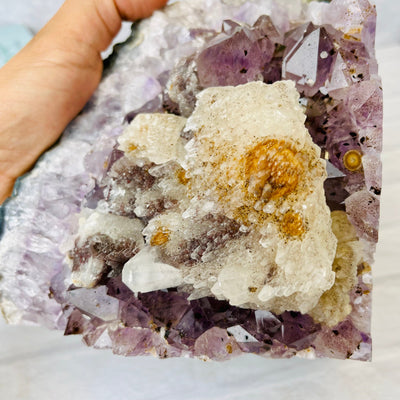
(45, 85)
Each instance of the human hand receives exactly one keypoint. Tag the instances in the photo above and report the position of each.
(45, 85)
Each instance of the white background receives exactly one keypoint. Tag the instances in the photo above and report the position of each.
(40, 364)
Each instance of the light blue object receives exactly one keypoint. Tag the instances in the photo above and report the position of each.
(12, 39)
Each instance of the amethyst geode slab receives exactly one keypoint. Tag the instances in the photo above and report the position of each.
(219, 194)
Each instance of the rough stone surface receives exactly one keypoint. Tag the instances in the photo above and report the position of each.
(327, 49)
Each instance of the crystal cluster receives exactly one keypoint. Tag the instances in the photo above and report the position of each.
(229, 198)
(236, 203)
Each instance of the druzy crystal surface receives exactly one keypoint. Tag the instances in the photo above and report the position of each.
(245, 197)
(219, 194)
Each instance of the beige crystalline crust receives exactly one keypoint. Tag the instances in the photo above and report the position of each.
(252, 161)
(334, 304)
(154, 136)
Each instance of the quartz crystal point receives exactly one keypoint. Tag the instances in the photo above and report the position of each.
(219, 194)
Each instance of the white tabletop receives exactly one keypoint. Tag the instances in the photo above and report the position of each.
(40, 364)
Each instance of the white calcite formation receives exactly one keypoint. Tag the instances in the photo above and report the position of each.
(120, 236)
(143, 273)
(250, 172)
(154, 137)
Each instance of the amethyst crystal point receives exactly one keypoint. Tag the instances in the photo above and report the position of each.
(308, 58)
(216, 344)
(236, 59)
(77, 324)
(200, 206)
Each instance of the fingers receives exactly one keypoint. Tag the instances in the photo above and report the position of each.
(93, 23)
(52, 78)
(132, 10)
(96, 22)
(6, 188)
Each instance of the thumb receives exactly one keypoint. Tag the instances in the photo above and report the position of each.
(96, 22)
(52, 78)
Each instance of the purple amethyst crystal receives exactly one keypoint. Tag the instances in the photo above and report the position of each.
(236, 59)
(329, 55)
(308, 58)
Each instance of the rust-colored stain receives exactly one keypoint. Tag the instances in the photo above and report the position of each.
(181, 175)
(364, 268)
(132, 147)
(242, 214)
(272, 170)
(353, 34)
(352, 160)
(160, 237)
(292, 224)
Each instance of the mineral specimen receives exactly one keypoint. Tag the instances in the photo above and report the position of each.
(228, 201)
(251, 166)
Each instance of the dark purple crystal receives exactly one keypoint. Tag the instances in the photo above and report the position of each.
(236, 59)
